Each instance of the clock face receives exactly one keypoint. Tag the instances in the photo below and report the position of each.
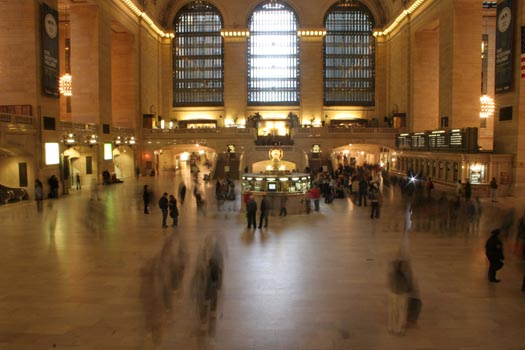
(275, 154)
(51, 26)
(504, 19)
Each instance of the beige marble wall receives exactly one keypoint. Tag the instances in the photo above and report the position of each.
(149, 65)
(124, 80)
(426, 80)
(85, 54)
(398, 73)
(460, 63)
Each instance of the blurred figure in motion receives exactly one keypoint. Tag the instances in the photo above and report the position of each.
(507, 222)
(199, 201)
(404, 304)
(182, 192)
(493, 189)
(283, 200)
(520, 237)
(399, 284)
(39, 195)
(207, 280)
(429, 186)
(160, 276)
(94, 190)
(146, 198)
(494, 253)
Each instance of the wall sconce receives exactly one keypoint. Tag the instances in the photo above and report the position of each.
(91, 140)
(131, 140)
(69, 140)
(486, 106)
(118, 141)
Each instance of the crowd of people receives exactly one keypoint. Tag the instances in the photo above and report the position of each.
(441, 212)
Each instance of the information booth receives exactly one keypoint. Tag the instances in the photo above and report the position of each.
(275, 184)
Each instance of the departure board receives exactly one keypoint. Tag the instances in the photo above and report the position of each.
(419, 140)
(454, 140)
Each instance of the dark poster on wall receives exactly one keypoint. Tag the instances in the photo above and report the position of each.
(504, 34)
(50, 69)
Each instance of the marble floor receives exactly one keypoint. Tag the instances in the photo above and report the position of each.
(85, 275)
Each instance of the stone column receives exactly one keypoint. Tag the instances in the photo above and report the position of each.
(311, 60)
(235, 75)
(460, 32)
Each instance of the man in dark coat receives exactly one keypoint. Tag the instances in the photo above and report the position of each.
(251, 211)
(265, 209)
(494, 252)
(164, 205)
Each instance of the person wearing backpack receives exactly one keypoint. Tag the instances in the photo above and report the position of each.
(163, 205)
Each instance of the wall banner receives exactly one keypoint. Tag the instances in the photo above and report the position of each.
(504, 36)
(50, 69)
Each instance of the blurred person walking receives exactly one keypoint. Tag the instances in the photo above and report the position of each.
(182, 192)
(493, 189)
(283, 201)
(430, 187)
(494, 253)
(146, 197)
(468, 191)
(39, 195)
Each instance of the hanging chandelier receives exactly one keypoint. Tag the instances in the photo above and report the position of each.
(487, 106)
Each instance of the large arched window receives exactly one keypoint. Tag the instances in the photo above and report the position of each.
(349, 55)
(273, 56)
(198, 56)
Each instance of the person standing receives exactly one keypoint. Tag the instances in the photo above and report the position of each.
(265, 208)
(493, 189)
(39, 194)
(146, 197)
(174, 211)
(375, 201)
(468, 191)
(494, 253)
(363, 190)
(79, 186)
(164, 205)
(251, 211)
(315, 194)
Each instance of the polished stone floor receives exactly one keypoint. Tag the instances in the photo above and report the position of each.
(73, 277)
